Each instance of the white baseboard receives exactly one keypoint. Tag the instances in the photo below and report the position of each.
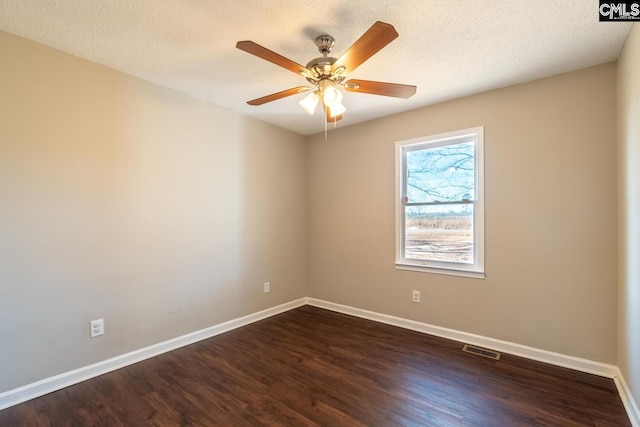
(584, 365)
(48, 385)
(627, 400)
(57, 382)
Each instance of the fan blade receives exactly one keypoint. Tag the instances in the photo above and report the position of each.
(278, 95)
(268, 55)
(380, 88)
(375, 38)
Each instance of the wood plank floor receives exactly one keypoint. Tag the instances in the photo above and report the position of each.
(310, 367)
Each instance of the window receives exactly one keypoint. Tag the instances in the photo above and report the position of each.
(440, 203)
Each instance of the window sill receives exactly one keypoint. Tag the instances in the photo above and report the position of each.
(445, 271)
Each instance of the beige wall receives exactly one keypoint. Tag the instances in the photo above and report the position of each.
(629, 212)
(129, 202)
(550, 177)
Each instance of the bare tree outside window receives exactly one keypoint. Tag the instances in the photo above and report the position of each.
(439, 203)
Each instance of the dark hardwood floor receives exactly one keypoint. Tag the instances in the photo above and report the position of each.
(315, 367)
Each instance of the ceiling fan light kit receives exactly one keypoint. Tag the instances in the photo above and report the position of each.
(310, 102)
(326, 74)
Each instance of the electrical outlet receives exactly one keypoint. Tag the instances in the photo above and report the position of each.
(415, 297)
(97, 327)
(267, 287)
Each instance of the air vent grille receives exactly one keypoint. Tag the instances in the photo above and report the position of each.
(481, 351)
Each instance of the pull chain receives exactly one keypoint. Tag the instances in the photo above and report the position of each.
(325, 124)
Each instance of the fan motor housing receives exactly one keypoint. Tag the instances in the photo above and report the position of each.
(321, 66)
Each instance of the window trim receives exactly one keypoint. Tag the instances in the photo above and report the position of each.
(476, 270)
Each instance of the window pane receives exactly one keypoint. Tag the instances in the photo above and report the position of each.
(440, 174)
(439, 233)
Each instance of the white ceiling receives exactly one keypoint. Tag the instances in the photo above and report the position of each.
(447, 48)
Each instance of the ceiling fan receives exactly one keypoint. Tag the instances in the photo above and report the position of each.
(326, 74)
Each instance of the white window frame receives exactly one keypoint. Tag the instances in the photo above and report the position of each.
(475, 270)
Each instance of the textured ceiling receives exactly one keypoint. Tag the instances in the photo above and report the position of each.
(446, 48)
